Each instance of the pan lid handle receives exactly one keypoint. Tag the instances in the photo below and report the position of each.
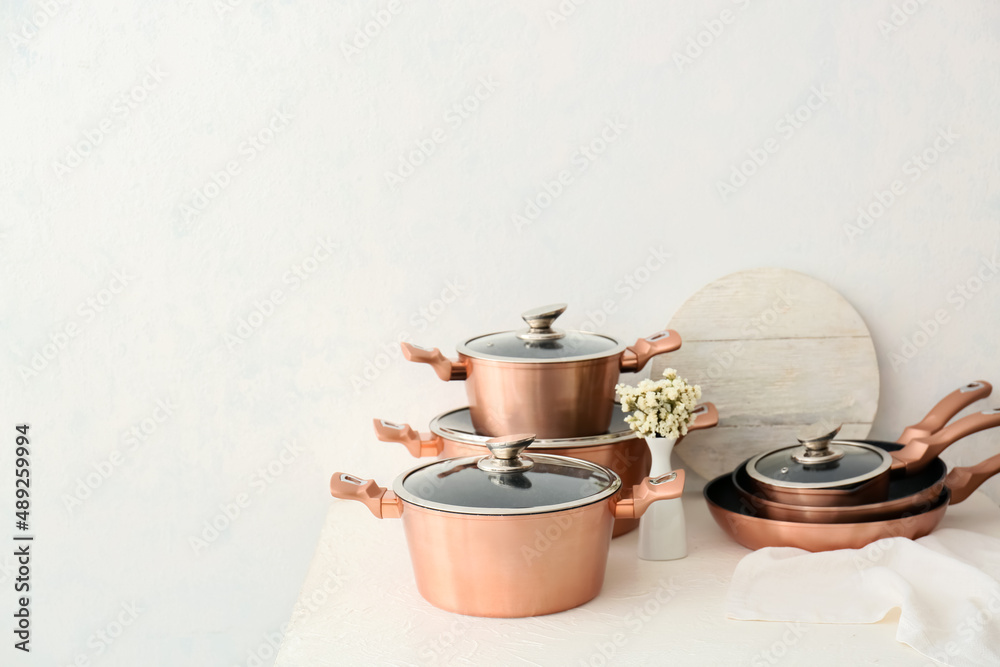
(540, 321)
(505, 454)
(815, 441)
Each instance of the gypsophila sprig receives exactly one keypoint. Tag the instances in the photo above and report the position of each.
(660, 408)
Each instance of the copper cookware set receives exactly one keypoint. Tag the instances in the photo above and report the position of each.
(509, 525)
(829, 494)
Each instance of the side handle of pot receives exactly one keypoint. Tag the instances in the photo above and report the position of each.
(445, 368)
(915, 456)
(405, 435)
(706, 416)
(647, 492)
(638, 355)
(963, 481)
(384, 504)
(948, 407)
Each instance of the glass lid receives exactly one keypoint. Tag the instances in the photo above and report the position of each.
(505, 482)
(457, 425)
(818, 462)
(541, 343)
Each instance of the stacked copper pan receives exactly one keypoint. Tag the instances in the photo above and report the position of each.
(825, 493)
(532, 479)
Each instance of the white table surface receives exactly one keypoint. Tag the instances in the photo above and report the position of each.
(359, 606)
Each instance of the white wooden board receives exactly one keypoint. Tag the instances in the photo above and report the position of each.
(775, 350)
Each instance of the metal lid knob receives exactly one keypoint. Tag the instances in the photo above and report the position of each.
(540, 321)
(505, 454)
(815, 441)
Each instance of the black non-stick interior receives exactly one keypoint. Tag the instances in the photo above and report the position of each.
(900, 487)
(722, 492)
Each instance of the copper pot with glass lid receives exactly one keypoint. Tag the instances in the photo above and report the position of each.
(822, 471)
(554, 383)
(508, 534)
(620, 448)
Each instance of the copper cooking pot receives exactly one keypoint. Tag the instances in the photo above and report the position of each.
(827, 472)
(508, 535)
(755, 532)
(909, 494)
(620, 449)
(554, 383)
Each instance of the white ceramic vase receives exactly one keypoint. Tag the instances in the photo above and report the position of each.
(662, 533)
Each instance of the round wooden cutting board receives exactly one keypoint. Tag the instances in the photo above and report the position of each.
(775, 350)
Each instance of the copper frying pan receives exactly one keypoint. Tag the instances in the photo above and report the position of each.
(901, 494)
(756, 532)
(871, 487)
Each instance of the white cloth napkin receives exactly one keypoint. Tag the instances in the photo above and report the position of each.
(947, 586)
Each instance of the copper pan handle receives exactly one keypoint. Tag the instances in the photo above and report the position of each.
(963, 481)
(404, 434)
(915, 456)
(647, 492)
(384, 504)
(948, 407)
(445, 368)
(638, 355)
(706, 416)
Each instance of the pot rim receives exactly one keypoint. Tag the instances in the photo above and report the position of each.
(883, 467)
(412, 499)
(618, 349)
(539, 444)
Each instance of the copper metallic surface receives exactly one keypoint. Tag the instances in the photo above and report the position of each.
(755, 532)
(629, 458)
(946, 408)
(910, 459)
(561, 399)
(508, 566)
(741, 520)
(910, 495)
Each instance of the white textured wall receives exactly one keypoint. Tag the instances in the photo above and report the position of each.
(240, 164)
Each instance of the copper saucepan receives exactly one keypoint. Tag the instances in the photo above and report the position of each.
(620, 449)
(909, 494)
(756, 532)
(827, 472)
(508, 535)
(554, 383)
